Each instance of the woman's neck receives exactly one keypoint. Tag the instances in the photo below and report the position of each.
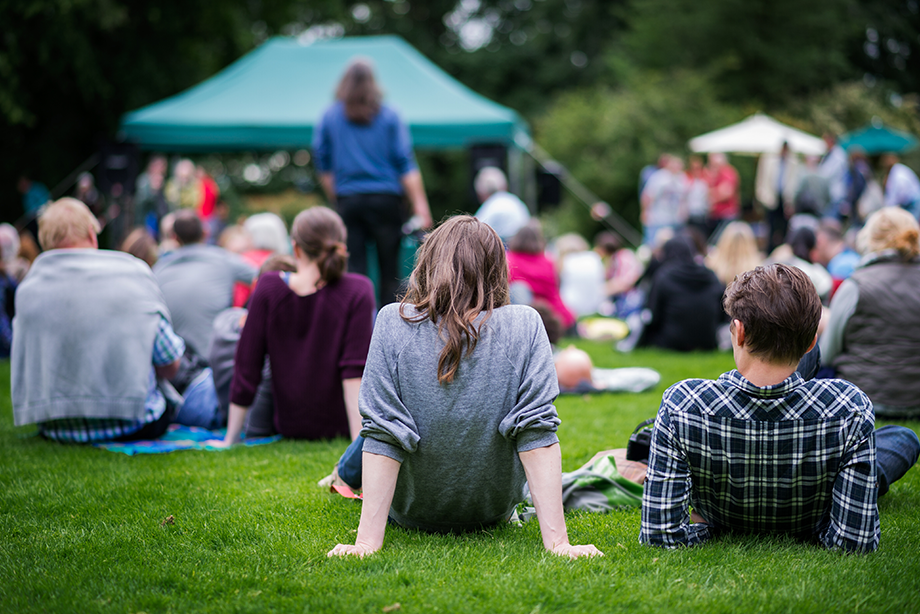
(306, 280)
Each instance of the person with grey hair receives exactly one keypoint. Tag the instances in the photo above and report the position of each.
(500, 209)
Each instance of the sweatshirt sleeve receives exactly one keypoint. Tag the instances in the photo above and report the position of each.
(533, 420)
(251, 349)
(387, 426)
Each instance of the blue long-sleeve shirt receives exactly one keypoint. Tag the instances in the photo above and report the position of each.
(363, 158)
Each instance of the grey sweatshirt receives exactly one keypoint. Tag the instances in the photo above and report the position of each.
(459, 442)
(83, 336)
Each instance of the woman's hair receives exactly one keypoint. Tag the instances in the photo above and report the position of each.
(141, 244)
(735, 252)
(890, 228)
(359, 93)
(460, 272)
(320, 234)
(528, 240)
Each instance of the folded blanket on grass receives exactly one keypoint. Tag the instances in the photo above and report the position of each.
(606, 482)
(629, 379)
(178, 437)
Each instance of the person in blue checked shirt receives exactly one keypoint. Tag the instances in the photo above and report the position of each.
(761, 450)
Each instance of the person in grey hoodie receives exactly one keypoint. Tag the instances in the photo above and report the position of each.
(457, 401)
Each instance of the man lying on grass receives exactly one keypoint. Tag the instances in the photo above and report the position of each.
(760, 450)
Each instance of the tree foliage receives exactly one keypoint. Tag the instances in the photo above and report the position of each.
(604, 135)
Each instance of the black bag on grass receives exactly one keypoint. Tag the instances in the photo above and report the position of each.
(640, 441)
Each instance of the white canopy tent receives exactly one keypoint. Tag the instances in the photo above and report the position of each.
(758, 134)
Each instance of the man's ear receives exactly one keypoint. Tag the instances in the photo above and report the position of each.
(739, 332)
(813, 342)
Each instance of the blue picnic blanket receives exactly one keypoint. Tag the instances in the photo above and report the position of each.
(178, 437)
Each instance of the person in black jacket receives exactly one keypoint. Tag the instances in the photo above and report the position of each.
(684, 302)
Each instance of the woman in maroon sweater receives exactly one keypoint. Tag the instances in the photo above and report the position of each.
(315, 327)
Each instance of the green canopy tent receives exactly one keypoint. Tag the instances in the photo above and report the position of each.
(272, 97)
(877, 138)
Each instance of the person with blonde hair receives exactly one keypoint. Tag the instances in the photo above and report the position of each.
(314, 325)
(363, 154)
(91, 337)
(734, 253)
(873, 333)
(457, 401)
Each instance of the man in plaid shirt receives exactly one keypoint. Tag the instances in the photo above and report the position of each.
(760, 450)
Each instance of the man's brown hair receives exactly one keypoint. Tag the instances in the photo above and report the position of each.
(779, 308)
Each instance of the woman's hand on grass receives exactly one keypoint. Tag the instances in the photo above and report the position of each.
(573, 552)
(217, 443)
(358, 550)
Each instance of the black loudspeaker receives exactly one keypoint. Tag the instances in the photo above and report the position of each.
(549, 186)
(118, 168)
(483, 155)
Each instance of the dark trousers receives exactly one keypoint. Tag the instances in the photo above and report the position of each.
(374, 218)
(777, 225)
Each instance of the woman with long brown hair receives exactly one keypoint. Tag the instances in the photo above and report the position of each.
(363, 154)
(315, 327)
(457, 401)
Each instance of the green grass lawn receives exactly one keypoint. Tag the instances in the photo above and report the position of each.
(81, 530)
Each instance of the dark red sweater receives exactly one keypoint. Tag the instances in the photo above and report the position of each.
(313, 342)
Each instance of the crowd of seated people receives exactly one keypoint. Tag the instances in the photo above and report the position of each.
(186, 331)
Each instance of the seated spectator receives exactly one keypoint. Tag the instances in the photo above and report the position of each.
(457, 402)
(873, 333)
(314, 325)
(622, 271)
(197, 280)
(581, 275)
(797, 251)
(832, 252)
(227, 328)
(684, 301)
(268, 236)
(9, 267)
(500, 209)
(235, 239)
(762, 451)
(92, 336)
(141, 244)
(528, 264)
(735, 252)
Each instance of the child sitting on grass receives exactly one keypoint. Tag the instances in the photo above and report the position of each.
(760, 450)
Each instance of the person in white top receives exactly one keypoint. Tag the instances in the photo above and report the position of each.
(664, 199)
(902, 188)
(500, 209)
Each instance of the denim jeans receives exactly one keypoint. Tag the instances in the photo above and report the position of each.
(200, 407)
(896, 451)
(350, 464)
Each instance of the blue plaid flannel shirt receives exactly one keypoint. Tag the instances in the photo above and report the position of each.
(796, 458)
(167, 348)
